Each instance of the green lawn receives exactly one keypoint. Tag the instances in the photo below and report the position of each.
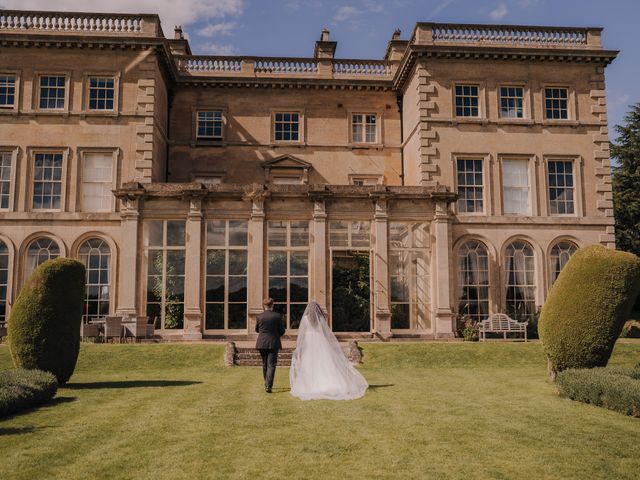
(433, 411)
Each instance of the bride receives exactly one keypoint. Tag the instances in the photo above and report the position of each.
(319, 368)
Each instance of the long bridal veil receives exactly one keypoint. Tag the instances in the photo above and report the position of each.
(319, 368)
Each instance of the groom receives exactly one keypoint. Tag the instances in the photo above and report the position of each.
(270, 328)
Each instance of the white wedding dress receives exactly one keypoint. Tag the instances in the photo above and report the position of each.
(319, 368)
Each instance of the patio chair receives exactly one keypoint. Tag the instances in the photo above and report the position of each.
(136, 328)
(112, 328)
(89, 330)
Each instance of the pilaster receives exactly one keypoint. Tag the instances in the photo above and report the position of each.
(382, 313)
(193, 265)
(255, 267)
(441, 285)
(319, 252)
(127, 306)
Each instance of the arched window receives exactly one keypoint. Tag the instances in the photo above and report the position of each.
(96, 256)
(4, 280)
(473, 280)
(520, 281)
(560, 255)
(41, 250)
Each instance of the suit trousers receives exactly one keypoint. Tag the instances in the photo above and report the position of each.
(269, 362)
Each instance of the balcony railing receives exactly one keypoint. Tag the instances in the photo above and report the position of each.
(507, 36)
(17, 21)
(268, 67)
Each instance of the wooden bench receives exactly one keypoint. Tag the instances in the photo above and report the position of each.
(501, 323)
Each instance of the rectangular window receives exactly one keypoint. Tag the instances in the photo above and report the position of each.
(467, 101)
(352, 234)
(364, 128)
(561, 187)
(515, 187)
(210, 125)
(165, 245)
(511, 102)
(226, 275)
(556, 101)
(97, 182)
(47, 181)
(52, 92)
(365, 181)
(409, 275)
(286, 127)
(101, 93)
(470, 186)
(5, 179)
(289, 268)
(7, 91)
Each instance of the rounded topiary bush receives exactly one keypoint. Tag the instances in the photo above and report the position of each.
(44, 325)
(23, 389)
(587, 307)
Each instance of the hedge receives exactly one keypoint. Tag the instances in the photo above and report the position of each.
(23, 389)
(613, 388)
(44, 325)
(587, 308)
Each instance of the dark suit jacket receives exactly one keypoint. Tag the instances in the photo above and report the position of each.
(270, 328)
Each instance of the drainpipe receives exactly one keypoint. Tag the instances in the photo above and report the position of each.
(399, 103)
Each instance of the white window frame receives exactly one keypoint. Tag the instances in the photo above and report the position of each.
(83, 152)
(571, 103)
(530, 187)
(371, 179)
(525, 103)
(110, 271)
(63, 180)
(16, 94)
(481, 101)
(301, 126)
(577, 185)
(115, 76)
(485, 183)
(13, 153)
(67, 92)
(377, 141)
(213, 138)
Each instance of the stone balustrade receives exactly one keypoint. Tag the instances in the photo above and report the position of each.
(268, 67)
(18, 21)
(507, 36)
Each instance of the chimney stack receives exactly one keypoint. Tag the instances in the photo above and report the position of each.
(177, 33)
(324, 47)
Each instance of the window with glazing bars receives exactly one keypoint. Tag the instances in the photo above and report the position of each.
(47, 181)
(561, 187)
(511, 102)
(470, 186)
(101, 93)
(363, 128)
(556, 103)
(7, 91)
(286, 127)
(210, 125)
(52, 92)
(467, 101)
(5, 179)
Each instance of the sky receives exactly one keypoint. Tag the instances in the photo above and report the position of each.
(362, 28)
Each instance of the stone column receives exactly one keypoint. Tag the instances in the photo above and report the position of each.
(440, 229)
(128, 281)
(318, 291)
(255, 267)
(382, 312)
(193, 263)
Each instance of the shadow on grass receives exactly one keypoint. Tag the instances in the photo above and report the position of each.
(385, 385)
(20, 430)
(130, 384)
(52, 403)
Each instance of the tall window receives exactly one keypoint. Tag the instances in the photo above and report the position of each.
(4, 280)
(101, 93)
(515, 187)
(363, 128)
(7, 91)
(52, 92)
(353, 234)
(41, 250)
(210, 125)
(470, 186)
(556, 103)
(95, 254)
(409, 275)
(467, 101)
(520, 281)
(226, 275)
(165, 273)
(286, 126)
(561, 187)
(97, 182)
(5, 179)
(560, 255)
(47, 181)
(473, 281)
(511, 102)
(289, 268)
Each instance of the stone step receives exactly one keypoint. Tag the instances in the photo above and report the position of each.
(250, 357)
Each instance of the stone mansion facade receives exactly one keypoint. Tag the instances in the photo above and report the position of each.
(454, 177)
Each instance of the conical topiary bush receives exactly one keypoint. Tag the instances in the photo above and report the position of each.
(44, 325)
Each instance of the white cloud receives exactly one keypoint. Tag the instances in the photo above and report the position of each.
(172, 12)
(499, 12)
(373, 6)
(219, 49)
(224, 28)
(439, 8)
(298, 4)
(346, 12)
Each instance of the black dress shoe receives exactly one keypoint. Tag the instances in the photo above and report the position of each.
(268, 390)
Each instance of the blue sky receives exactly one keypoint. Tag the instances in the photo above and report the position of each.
(363, 27)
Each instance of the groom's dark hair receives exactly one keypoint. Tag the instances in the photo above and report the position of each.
(268, 302)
